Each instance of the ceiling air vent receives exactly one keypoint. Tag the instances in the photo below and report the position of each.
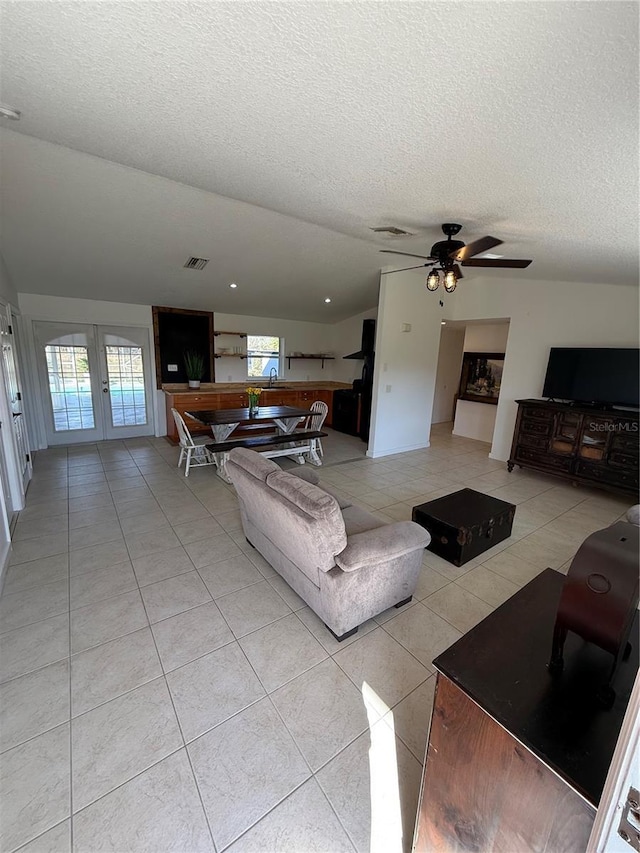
(196, 263)
(392, 231)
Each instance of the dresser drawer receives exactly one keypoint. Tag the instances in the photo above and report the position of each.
(533, 427)
(543, 459)
(623, 460)
(612, 476)
(534, 413)
(537, 441)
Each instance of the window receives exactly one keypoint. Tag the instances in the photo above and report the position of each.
(263, 354)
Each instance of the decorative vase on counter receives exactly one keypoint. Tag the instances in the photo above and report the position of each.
(254, 399)
(194, 383)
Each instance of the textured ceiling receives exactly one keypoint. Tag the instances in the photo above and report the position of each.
(516, 119)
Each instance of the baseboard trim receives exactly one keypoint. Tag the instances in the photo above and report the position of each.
(392, 450)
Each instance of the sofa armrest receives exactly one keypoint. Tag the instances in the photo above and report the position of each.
(387, 542)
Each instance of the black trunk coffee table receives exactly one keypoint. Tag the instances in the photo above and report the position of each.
(464, 524)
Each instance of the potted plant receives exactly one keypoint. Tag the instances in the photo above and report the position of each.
(194, 367)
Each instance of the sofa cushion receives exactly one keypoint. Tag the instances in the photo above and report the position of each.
(305, 523)
(253, 463)
(358, 520)
(343, 501)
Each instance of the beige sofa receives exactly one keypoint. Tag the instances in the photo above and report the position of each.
(345, 563)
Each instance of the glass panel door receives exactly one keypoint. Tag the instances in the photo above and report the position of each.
(127, 394)
(95, 381)
(70, 387)
(68, 369)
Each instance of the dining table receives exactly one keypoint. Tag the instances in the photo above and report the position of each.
(223, 422)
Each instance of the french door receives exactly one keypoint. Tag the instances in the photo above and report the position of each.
(95, 381)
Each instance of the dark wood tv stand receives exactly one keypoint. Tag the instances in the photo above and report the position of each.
(594, 447)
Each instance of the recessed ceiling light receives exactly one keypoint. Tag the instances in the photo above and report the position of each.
(443, 322)
(9, 112)
(233, 284)
(491, 257)
(327, 299)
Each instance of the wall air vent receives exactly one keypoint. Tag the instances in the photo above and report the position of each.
(392, 231)
(196, 263)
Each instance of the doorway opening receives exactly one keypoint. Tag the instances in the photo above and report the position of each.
(467, 418)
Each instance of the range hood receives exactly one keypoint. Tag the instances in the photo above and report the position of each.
(368, 341)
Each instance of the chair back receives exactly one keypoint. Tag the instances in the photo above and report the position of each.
(319, 411)
(183, 430)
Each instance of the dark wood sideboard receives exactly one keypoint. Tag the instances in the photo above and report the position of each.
(590, 446)
(517, 758)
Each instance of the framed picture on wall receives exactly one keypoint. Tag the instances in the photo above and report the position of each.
(481, 377)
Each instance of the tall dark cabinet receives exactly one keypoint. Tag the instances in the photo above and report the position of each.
(589, 446)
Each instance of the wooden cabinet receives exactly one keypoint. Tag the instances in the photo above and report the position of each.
(186, 401)
(517, 757)
(580, 444)
(501, 797)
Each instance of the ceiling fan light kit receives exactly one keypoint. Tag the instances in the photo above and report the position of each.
(450, 281)
(450, 254)
(433, 280)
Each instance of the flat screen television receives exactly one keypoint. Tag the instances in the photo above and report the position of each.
(605, 377)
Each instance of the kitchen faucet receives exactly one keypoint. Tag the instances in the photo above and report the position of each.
(272, 377)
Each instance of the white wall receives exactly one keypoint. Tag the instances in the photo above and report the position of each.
(543, 315)
(7, 290)
(347, 338)
(406, 363)
(486, 337)
(448, 372)
(475, 420)
(298, 336)
(478, 420)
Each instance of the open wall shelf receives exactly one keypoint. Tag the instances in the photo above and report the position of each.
(321, 358)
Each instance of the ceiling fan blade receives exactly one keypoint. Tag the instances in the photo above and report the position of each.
(457, 271)
(505, 263)
(419, 267)
(408, 254)
(475, 248)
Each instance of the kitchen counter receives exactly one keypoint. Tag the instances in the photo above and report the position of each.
(239, 387)
(233, 395)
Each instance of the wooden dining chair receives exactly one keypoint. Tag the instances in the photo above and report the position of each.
(319, 411)
(195, 453)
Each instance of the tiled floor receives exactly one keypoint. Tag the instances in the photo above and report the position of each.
(162, 689)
